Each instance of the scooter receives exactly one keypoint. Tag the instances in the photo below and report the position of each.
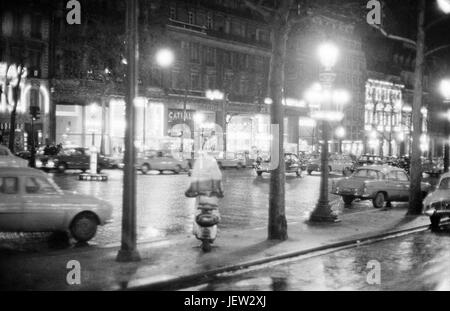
(206, 220)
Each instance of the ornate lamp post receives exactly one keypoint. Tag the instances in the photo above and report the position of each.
(326, 113)
(445, 92)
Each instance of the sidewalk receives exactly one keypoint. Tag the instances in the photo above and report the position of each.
(179, 260)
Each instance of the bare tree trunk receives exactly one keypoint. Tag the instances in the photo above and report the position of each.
(12, 130)
(415, 195)
(277, 228)
(16, 92)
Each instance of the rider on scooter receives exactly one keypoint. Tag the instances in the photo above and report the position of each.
(206, 187)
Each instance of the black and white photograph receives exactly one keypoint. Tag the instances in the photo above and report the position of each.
(223, 150)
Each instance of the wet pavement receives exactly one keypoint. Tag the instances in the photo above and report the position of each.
(411, 263)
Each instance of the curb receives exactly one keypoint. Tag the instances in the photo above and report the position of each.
(194, 279)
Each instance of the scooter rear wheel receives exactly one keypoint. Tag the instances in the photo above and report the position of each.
(206, 246)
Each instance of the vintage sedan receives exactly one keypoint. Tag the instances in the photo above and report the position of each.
(9, 159)
(76, 158)
(291, 162)
(160, 161)
(336, 163)
(381, 184)
(31, 202)
(231, 160)
(437, 203)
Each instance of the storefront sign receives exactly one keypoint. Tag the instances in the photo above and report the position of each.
(179, 116)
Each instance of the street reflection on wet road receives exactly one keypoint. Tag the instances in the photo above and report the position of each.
(164, 211)
(415, 262)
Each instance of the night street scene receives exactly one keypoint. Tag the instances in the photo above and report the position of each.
(244, 146)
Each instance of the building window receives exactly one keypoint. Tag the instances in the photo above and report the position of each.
(173, 13)
(211, 81)
(191, 18)
(194, 51)
(244, 87)
(210, 56)
(35, 63)
(227, 59)
(209, 21)
(36, 22)
(195, 81)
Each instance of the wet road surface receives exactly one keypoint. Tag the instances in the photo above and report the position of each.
(163, 211)
(410, 263)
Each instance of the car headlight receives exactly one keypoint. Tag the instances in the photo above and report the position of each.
(38, 163)
(50, 163)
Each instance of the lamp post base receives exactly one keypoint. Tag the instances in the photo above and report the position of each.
(128, 256)
(323, 213)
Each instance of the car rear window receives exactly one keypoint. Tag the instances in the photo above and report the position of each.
(445, 184)
(369, 174)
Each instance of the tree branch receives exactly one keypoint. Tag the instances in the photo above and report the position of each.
(430, 52)
(258, 8)
(394, 37)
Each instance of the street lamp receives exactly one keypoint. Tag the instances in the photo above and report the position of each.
(340, 134)
(327, 112)
(445, 92)
(444, 5)
(165, 58)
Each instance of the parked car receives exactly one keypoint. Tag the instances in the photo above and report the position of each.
(381, 184)
(390, 160)
(31, 202)
(9, 159)
(369, 159)
(160, 161)
(404, 163)
(291, 161)
(116, 161)
(71, 159)
(437, 203)
(433, 167)
(336, 163)
(231, 160)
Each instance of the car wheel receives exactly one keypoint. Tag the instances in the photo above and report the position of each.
(62, 167)
(259, 173)
(346, 172)
(178, 169)
(145, 168)
(348, 199)
(309, 172)
(299, 173)
(84, 227)
(379, 200)
(220, 165)
(99, 169)
(435, 220)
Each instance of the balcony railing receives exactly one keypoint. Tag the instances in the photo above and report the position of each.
(186, 26)
(216, 33)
